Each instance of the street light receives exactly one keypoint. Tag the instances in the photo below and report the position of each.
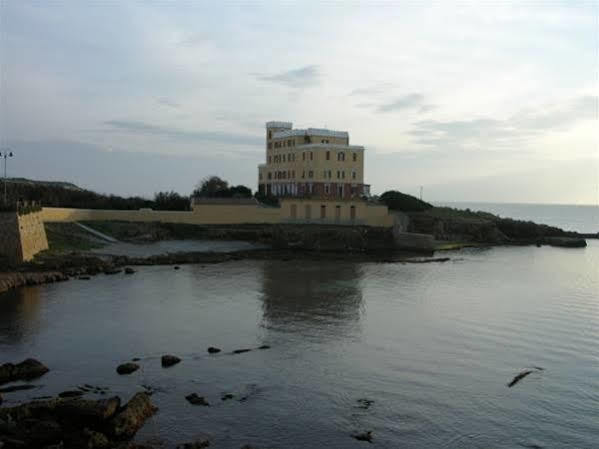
(5, 154)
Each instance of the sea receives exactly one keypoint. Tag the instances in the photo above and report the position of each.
(579, 218)
(421, 355)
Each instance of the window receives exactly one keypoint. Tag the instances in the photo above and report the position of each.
(338, 174)
(270, 134)
(304, 174)
(289, 157)
(311, 156)
(303, 156)
(323, 211)
(327, 189)
(352, 212)
(340, 191)
(330, 174)
(353, 174)
(355, 157)
(269, 175)
(328, 155)
(343, 174)
(310, 174)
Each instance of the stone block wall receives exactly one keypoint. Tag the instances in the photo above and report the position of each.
(21, 237)
(33, 235)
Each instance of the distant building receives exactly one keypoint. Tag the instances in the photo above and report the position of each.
(311, 163)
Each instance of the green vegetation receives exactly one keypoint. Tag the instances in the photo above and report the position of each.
(215, 187)
(395, 200)
(66, 237)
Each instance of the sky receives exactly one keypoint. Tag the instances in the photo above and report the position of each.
(473, 101)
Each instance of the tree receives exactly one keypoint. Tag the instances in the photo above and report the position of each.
(240, 192)
(212, 187)
(395, 200)
(170, 201)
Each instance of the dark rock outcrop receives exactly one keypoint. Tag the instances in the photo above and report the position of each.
(129, 270)
(566, 242)
(127, 368)
(27, 369)
(213, 350)
(132, 417)
(74, 423)
(169, 360)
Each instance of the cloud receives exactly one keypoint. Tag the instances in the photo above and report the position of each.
(408, 101)
(485, 132)
(141, 128)
(375, 89)
(302, 77)
(168, 102)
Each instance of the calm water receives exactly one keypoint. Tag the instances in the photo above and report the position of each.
(583, 219)
(433, 345)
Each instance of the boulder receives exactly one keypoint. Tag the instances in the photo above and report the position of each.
(27, 369)
(96, 440)
(127, 368)
(194, 399)
(88, 410)
(133, 416)
(213, 350)
(129, 270)
(169, 360)
(264, 347)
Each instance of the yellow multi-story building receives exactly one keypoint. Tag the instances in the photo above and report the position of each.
(311, 163)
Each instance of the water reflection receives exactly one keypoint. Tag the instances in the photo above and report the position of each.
(19, 314)
(316, 300)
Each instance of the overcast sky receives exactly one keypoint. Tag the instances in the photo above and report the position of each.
(482, 101)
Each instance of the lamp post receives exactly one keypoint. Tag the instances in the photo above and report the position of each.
(5, 154)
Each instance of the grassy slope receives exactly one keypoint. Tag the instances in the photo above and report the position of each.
(65, 237)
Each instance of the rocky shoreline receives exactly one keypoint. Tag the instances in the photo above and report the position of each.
(17, 279)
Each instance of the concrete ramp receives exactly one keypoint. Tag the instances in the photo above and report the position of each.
(97, 233)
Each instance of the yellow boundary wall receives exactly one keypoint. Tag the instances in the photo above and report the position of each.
(214, 214)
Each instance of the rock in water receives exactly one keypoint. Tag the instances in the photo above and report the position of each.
(133, 416)
(196, 445)
(127, 368)
(169, 360)
(194, 399)
(241, 351)
(518, 378)
(27, 369)
(364, 436)
(213, 350)
(129, 270)
(264, 347)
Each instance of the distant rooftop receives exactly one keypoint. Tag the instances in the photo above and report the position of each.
(311, 132)
(275, 124)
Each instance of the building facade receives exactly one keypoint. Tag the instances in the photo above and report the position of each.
(311, 163)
